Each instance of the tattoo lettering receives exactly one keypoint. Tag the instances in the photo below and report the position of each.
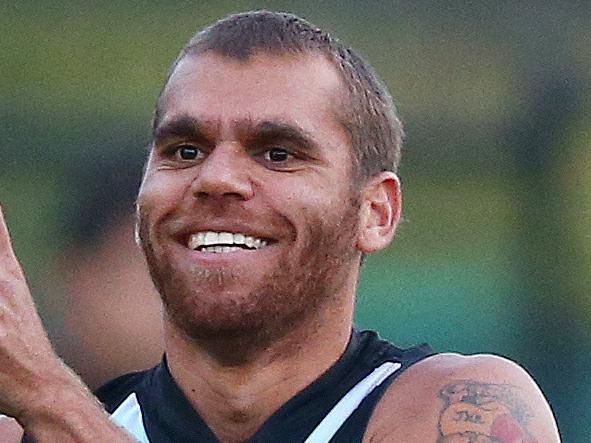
(483, 413)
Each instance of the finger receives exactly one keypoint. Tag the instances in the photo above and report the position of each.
(10, 430)
(8, 258)
(4, 236)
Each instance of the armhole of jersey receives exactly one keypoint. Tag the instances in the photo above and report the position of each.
(129, 416)
(333, 421)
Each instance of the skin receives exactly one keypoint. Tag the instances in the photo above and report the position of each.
(450, 398)
(243, 355)
(46, 398)
(239, 326)
(303, 203)
(10, 430)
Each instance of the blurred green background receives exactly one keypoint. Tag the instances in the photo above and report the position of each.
(494, 253)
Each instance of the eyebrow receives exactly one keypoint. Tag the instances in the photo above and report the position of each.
(277, 130)
(183, 126)
(189, 127)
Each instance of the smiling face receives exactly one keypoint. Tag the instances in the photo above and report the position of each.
(246, 213)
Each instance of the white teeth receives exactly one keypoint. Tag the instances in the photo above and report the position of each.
(221, 249)
(226, 238)
(194, 242)
(211, 238)
(210, 241)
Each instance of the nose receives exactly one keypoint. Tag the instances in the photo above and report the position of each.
(224, 172)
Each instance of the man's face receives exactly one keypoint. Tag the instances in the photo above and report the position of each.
(246, 213)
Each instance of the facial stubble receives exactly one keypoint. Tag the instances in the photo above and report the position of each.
(201, 306)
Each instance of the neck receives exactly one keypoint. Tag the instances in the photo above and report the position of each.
(237, 390)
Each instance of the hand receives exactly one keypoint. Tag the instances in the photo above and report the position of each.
(10, 430)
(27, 360)
(49, 401)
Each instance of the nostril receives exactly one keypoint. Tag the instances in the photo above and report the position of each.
(224, 184)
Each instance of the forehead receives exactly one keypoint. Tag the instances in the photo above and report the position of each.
(305, 89)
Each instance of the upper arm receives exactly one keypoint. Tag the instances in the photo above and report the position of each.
(455, 399)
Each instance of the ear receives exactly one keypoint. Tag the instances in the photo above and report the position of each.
(380, 212)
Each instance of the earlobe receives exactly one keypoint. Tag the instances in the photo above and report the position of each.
(380, 212)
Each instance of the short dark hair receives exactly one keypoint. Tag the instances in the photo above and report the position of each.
(369, 114)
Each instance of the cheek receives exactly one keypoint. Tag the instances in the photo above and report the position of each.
(306, 190)
(158, 197)
(295, 201)
(159, 192)
(309, 204)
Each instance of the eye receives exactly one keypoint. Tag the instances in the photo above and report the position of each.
(188, 152)
(277, 155)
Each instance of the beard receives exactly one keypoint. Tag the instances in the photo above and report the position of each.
(210, 303)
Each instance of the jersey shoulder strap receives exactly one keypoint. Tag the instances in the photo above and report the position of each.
(353, 426)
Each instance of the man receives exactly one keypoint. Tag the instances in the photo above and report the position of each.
(271, 175)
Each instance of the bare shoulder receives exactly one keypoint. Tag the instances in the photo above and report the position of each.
(451, 398)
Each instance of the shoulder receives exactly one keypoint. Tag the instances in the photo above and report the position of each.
(455, 398)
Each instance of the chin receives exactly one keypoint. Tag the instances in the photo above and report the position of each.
(222, 325)
(231, 312)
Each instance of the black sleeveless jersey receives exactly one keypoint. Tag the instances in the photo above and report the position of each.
(335, 408)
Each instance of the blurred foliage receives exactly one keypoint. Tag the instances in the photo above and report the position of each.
(494, 253)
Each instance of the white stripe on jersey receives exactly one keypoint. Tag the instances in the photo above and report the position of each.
(329, 426)
(129, 416)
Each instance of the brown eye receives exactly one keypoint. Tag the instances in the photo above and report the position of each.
(188, 152)
(277, 155)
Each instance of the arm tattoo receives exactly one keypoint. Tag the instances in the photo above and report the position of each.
(477, 412)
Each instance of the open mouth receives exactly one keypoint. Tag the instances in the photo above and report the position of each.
(224, 242)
